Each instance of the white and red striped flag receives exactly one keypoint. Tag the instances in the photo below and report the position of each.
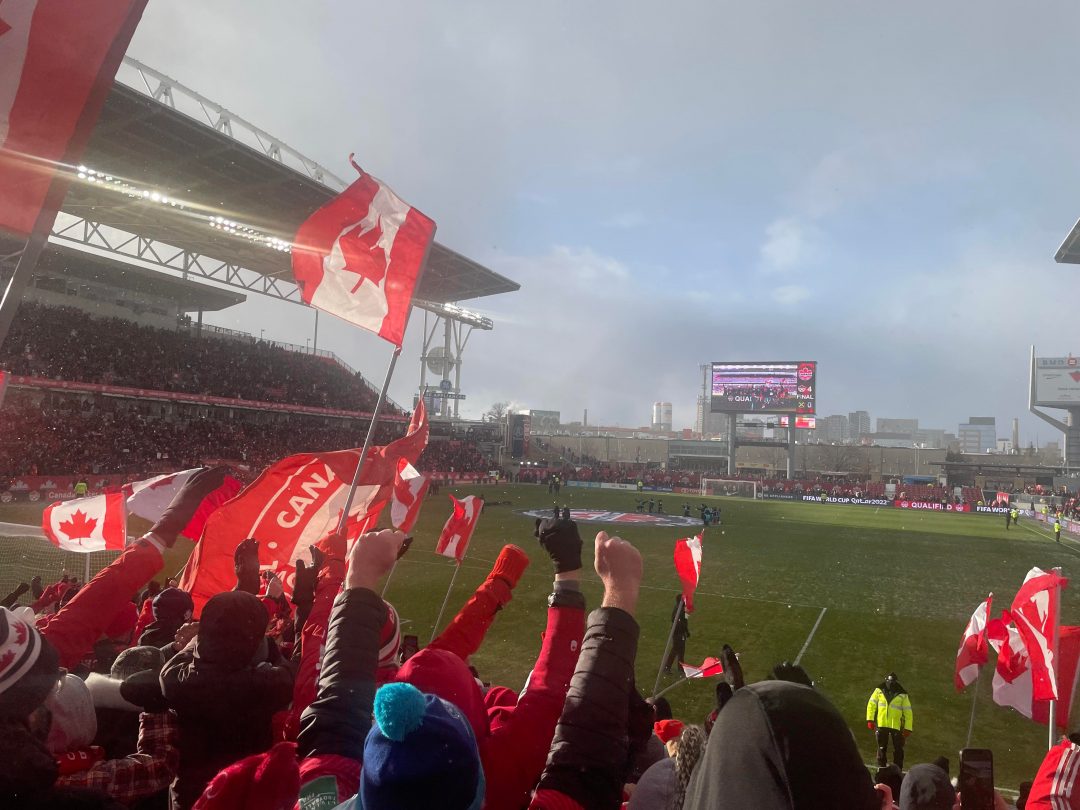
(688, 566)
(709, 668)
(1013, 673)
(974, 649)
(359, 257)
(410, 487)
(97, 523)
(150, 498)
(459, 528)
(57, 62)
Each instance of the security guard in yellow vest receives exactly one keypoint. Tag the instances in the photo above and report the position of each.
(81, 489)
(888, 714)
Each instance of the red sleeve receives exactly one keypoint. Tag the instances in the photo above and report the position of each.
(553, 800)
(515, 753)
(77, 625)
(146, 615)
(464, 635)
(312, 642)
(1054, 786)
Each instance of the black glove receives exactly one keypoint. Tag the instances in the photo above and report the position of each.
(787, 671)
(561, 541)
(36, 588)
(179, 513)
(246, 566)
(733, 673)
(143, 689)
(306, 577)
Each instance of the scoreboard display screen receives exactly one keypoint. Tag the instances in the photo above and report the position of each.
(783, 387)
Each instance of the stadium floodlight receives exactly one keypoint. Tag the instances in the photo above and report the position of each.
(456, 313)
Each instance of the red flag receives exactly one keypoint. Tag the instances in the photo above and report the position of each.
(458, 531)
(1035, 612)
(360, 255)
(974, 649)
(1013, 673)
(90, 524)
(709, 668)
(57, 61)
(410, 487)
(415, 440)
(291, 505)
(3, 384)
(148, 499)
(688, 566)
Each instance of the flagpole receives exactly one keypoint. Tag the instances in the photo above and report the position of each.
(386, 584)
(667, 647)
(679, 682)
(435, 629)
(974, 697)
(344, 519)
(1056, 613)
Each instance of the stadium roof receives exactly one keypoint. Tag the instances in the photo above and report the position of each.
(143, 144)
(189, 296)
(1069, 252)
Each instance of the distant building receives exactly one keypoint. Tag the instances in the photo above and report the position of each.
(908, 426)
(931, 438)
(833, 429)
(661, 417)
(978, 435)
(858, 424)
(709, 424)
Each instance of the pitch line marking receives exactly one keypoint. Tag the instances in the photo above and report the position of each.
(810, 637)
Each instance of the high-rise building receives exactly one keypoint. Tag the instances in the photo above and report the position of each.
(858, 424)
(834, 429)
(908, 426)
(661, 416)
(978, 435)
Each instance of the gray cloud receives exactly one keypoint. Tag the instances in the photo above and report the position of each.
(880, 188)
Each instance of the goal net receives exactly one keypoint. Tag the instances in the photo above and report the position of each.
(735, 489)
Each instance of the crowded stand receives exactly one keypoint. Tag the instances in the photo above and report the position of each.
(112, 696)
(65, 343)
(65, 435)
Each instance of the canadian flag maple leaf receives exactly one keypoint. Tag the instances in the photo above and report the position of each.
(79, 526)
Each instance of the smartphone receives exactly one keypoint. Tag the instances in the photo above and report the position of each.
(976, 781)
(410, 646)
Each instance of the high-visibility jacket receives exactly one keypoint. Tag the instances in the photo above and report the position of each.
(895, 714)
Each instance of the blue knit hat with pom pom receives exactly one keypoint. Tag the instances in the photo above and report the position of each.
(420, 753)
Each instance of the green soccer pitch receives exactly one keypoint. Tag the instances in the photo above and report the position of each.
(858, 591)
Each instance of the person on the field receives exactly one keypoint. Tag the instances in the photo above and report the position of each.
(706, 516)
(686, 510)
(716, 521)
(81, 489)
(652, 505)
(889, 716)
(660, 507)
(1008, 519)
(679, 635)
(1057, 529)
(1015, 515)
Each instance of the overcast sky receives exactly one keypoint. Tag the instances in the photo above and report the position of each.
(879, 187)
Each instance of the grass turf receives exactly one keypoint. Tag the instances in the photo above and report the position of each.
(897, 588)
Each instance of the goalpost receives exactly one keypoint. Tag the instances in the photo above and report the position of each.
(735, 489)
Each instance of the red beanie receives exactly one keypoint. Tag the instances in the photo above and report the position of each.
(269, 781)
(667, 729)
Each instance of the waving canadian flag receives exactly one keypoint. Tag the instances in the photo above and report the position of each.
(410, 487)
(458, 531)
(360, 255)
(688, 566)
(57, 61)
(974, 650)
(709, 668)
(90, 524)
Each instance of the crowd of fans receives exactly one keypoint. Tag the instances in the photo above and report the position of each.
(64, 343)
(114, 694)
(61, 435)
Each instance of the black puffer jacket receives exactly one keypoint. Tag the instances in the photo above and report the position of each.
(780, 746)
(588, 757)
(223, 693)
